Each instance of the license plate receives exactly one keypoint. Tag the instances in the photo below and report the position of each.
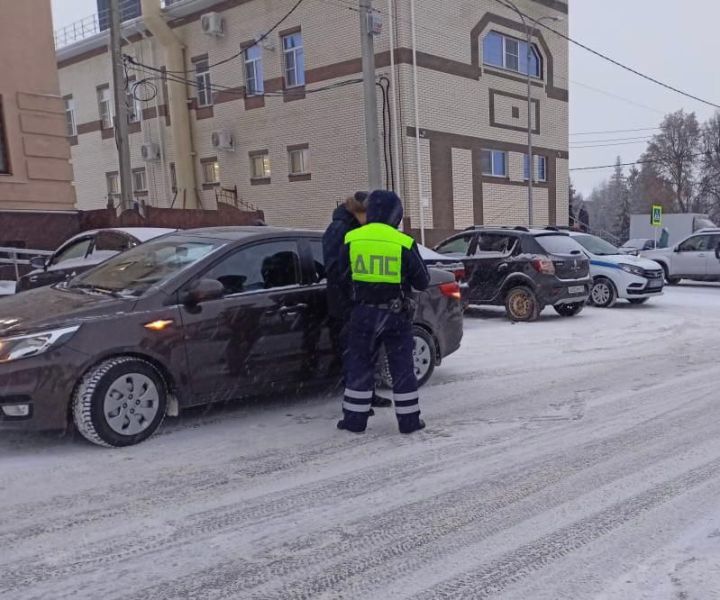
(655, 284)
(577, 289)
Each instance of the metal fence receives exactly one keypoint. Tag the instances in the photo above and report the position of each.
(17, 257)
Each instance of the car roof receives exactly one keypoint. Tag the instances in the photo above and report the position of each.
(519, 230)
(236, 233)
(142, 234)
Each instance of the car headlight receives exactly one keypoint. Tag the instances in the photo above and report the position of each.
(24, 346)
(632, 269)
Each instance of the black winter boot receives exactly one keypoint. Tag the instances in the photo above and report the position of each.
(352, 421)
(410, 423)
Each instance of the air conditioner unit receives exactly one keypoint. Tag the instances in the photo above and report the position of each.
(150, 152)
(223, 140)
(213, 24)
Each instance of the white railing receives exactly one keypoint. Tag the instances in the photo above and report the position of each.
(11, 256)
(77, 31)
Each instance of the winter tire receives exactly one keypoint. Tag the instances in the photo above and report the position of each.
(569, 310)
(424, 359)
(603, 293)
(120, 402)
(668, 279)
(521, 304)
(638, 300)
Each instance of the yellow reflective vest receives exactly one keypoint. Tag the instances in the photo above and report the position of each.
(376, 253)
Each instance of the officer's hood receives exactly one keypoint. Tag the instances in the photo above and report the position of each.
(384, 207)
(343, 215)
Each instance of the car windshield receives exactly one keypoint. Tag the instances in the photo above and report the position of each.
(634, 244)
(135, 271)
(559, 244)
(596, 245)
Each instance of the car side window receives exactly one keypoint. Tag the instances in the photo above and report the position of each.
(259, 267)
(495, 244)
(696, 243)
(457, 245)
(649, 245)
(112, 241)
(77, 249)
(319, 275)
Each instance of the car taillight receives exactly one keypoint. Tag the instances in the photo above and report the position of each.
(543, 265)
(450, 290)
(459, 274)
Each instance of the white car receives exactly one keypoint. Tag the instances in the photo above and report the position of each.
(616, 275)
(697, 257)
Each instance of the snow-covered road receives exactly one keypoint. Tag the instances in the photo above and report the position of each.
(565, 459)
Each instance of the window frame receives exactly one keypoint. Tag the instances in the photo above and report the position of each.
(520, 57)
(214, 164)
(538, 159)
(139, 190)
(113, 176)
(267, 166)
(107, 117)
(134, 108)
(493, 154)
(70, 118)
(295, 51)
(697, 236)
(301, 274)
(203, 83)
(305, 161)
(471, 239)
(256, 64)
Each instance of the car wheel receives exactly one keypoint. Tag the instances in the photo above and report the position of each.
(638, 300)
(668, 279)
(569, 310)
(603, 293)
(120, 402)
(521, 304)
(424, 359)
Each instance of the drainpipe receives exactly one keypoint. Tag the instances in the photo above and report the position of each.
(177, 101)
(421, 191)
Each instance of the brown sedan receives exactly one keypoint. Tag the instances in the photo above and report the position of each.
(189, 318)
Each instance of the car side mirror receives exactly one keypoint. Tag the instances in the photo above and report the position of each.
(202, 290)
(38, 263)
(676, 249)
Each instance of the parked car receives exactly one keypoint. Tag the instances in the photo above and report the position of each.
(616, 275)
(636, 246)
(191, 318)
(523, 269)
(697, 257)
(83, 252)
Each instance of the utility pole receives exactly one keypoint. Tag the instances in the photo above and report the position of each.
(372, 140)
(122, 140)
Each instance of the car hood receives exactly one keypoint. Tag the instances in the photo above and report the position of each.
(51, 307)
(627, 259)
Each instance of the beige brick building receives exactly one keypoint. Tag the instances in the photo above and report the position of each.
(35, 173)
(281, 127)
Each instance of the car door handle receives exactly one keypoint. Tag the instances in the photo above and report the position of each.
(502, 267)
(292, 309)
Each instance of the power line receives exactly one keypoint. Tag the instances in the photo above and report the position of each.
(623, 139)
(617, 63)
(615, 131)
(645, 141)
(629, 164)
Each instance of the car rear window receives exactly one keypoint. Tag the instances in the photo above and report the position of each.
(558, 244)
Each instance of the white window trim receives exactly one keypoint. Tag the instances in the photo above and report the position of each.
(70, 118)
(536, 167)
(207, 86)
(492, 163)
(305, 161)
(266, 173)
(517, 71)
(299, 75)
(207, 170)
(144, 188)
(105, 124)
(256, 65)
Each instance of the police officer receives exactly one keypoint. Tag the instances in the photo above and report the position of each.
(384, 265)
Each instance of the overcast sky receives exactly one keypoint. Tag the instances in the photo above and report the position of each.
(677, 42)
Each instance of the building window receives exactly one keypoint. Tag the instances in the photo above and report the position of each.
(70, 116)
(540, 167)
(211, 171)
(494, 163)
(173, 178)
(4, 152)
(134, 108)
(139, 179)
(204, 87)
(510, 53)
(113, 185)
(294, 59)
(254, 85)
(299, 161)
(260, 166)
(105, 107)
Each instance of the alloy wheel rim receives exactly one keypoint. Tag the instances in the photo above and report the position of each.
(421, 357)
(601, 293)
(131, 404)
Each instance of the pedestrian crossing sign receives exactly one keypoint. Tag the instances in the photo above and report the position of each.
(656, 216)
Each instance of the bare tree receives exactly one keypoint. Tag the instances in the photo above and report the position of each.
(674, 152)
(710, 167)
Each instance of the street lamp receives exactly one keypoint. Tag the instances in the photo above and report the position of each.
(529, 25)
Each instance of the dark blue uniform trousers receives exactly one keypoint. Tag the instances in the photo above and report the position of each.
(369, 328)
